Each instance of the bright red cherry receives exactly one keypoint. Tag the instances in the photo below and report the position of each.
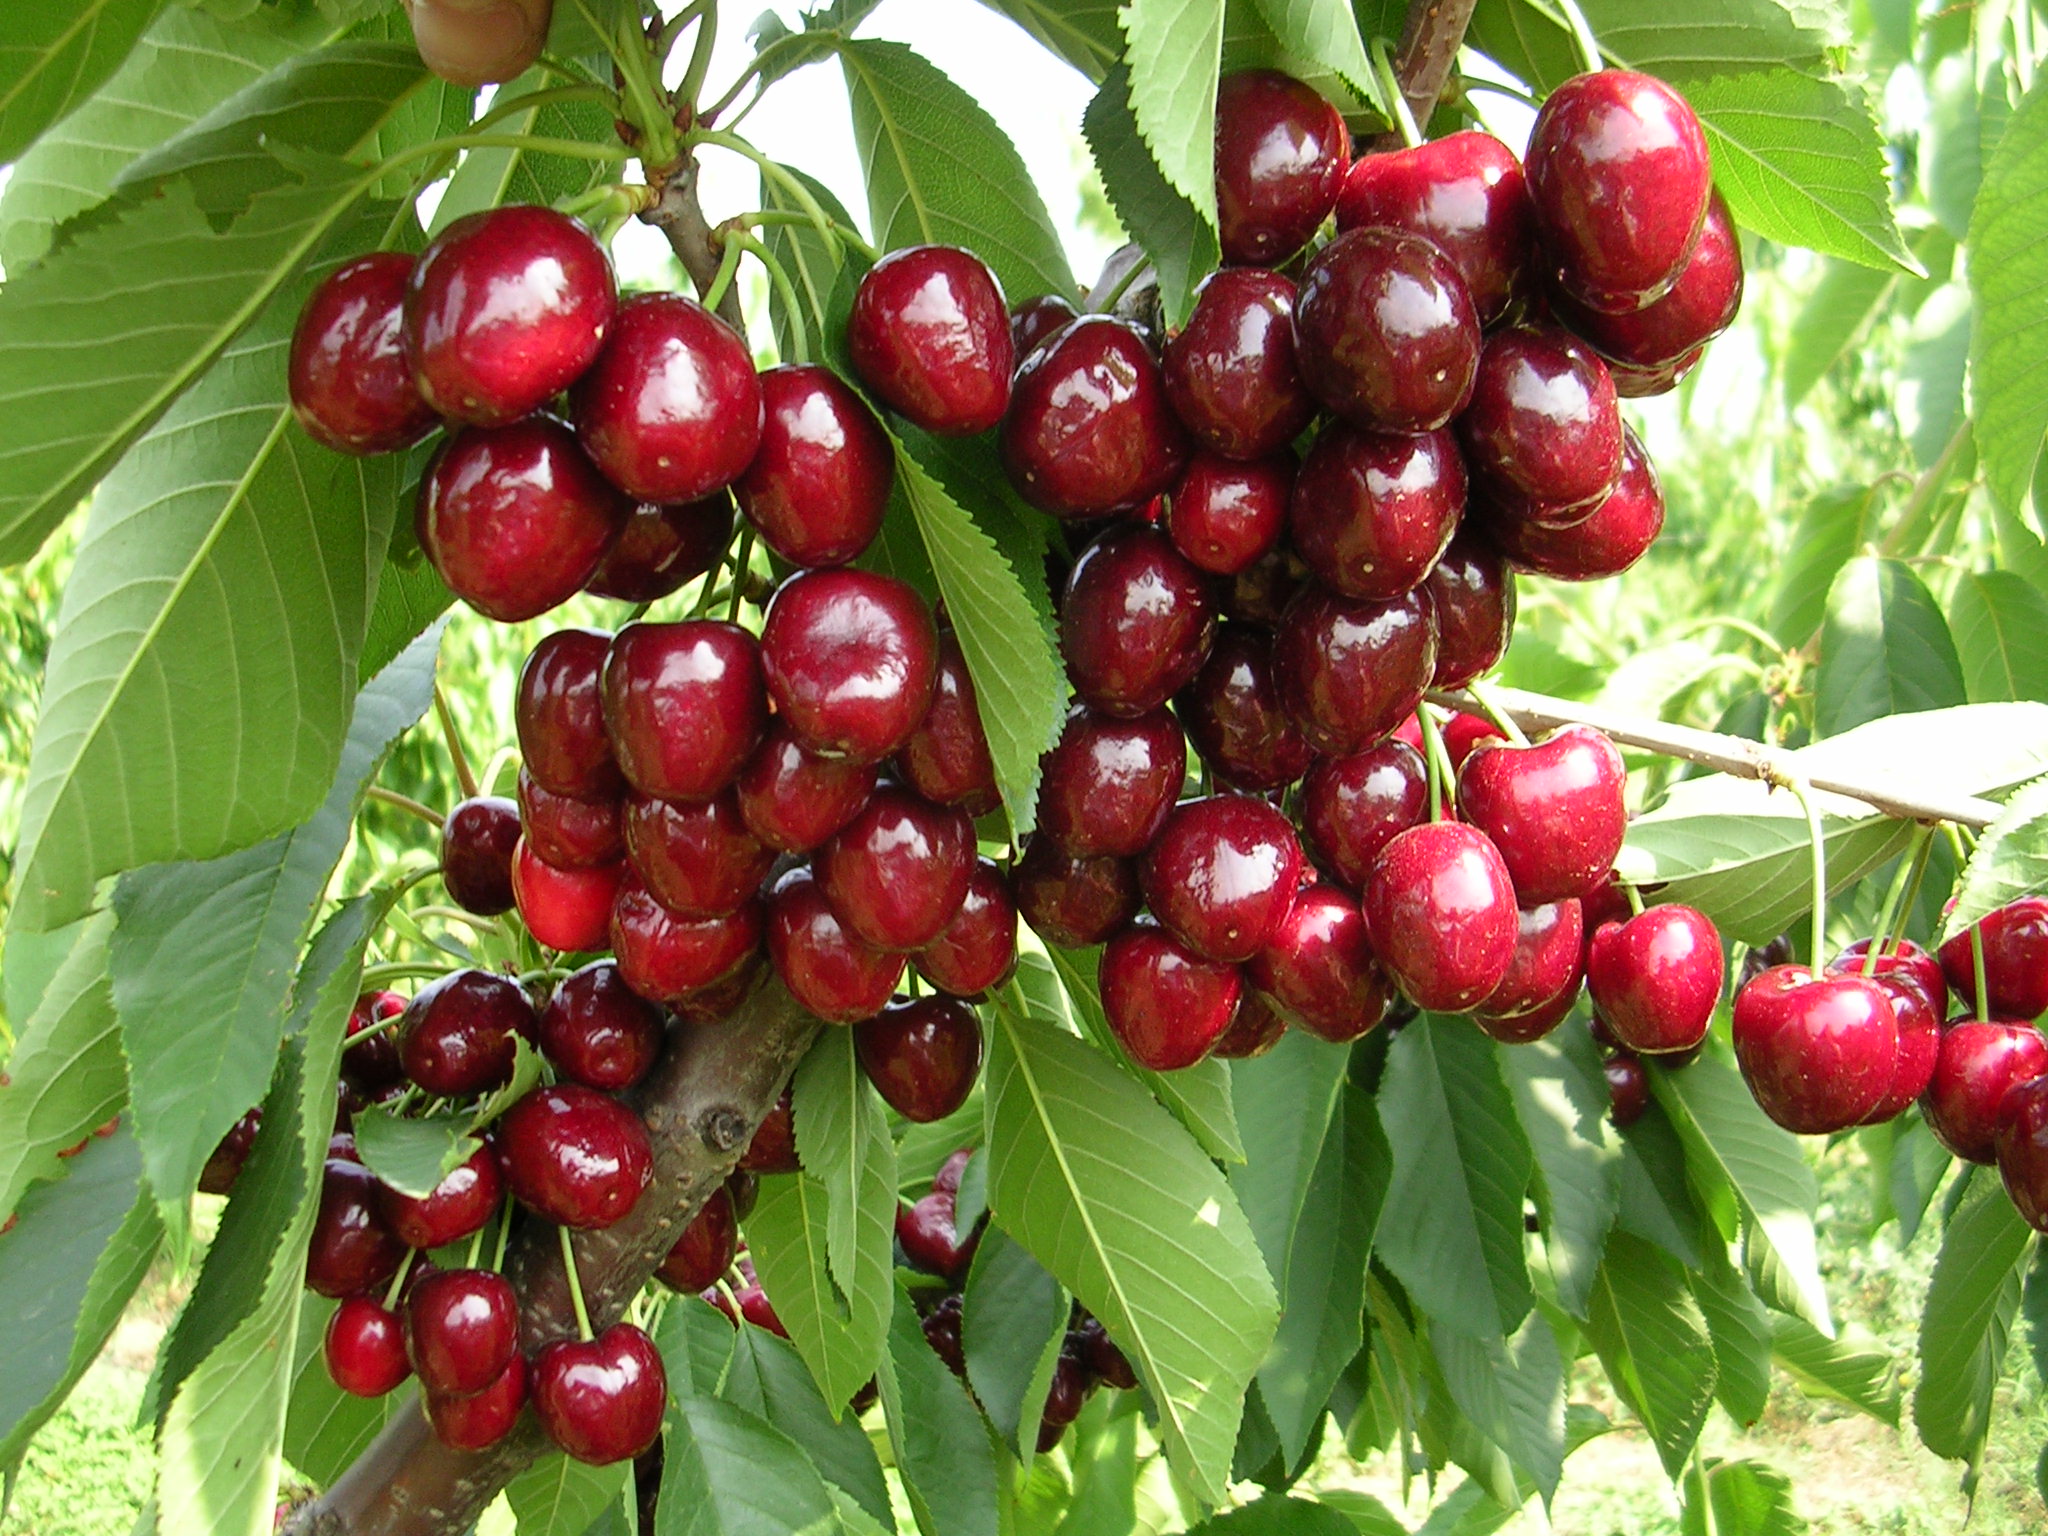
(456, 1207)
(515, 518)
(947, 758)
(922, 1056)
(929, 334)
(839, 977)
(1628, 1090)
(1543, 423)
(481, 1420)
(1549, 944)
(456, 1036)
(1107, 784)
(1607, 543)
(2022, 1149)
(1919, 1026)
(505, 310)
(599, 1032)
(1230, 372)
(1234, 716)
(1473, 592)
(1089, 430)
(684, 706)
(671, 409)
(1700, 306)
(773, 1149)
(1352, 807)
(1136, 621)
(666, 958)
(1350, 669)
(1035, 319)
(1905, 960)
(601, 1400)
(898, 871)
(559, 712)
(1384, 332)
(1440, 914)
(1254, 1030)
(351, 1249)
(663, 548)
(1319, 969)
(461, 1329)
(819, 482)
(351, 386)
(1554, 809)
(977, 949)
(1977, 1064)
(1222, 874)
(697, 858)
(931, 1239)
(1816, 1051)
(851, 659)
(373, 1063)
(1281, 154)
(565, 909)
(576, 1157)
(568, 832)
(1166, 1004)
(704, 1251)
(1656, 978)
(365, 1348)
(1226, 514)
(476, 853)
(793, 800)
(1074, 902)
(2015, 944)
(1372, 512)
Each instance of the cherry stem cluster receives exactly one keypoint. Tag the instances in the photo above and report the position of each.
(1803, 793)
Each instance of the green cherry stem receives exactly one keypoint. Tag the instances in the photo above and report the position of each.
(1818, 839)
(1437, 760)
(464, 774)
(1977, 972)
(398, 1280)
(504, 1235)
(1906, 908)
(583, 1329)
(728, 268)
(400, 970)
(1895, 896)
(1582, 35)
(742, 560)
(1483, 695)
(406, 803)
(773, 170)
(783, 286)
(1635, 897)
(476, 1248)
(1390, 88)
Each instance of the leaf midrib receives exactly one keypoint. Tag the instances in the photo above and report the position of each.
(87, 18)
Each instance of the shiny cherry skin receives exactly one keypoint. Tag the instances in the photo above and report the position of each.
(481, 1420)
(705, 1249)
(1074, 902)
(837, 976)
(1905, 960)
(1628, 1089)
(565, 909)
(1634, 381)
(952, 1170)
(684, 706)
(600, 1400)
(671, 409)
(476, 853)
(1384, 333)
(505, 309)
(1977, 1064)
(351, 386)
(661, 549)
(1555, 809)
(1319, 969)
(1656, 978)
(2015, 944)
(1089, 430)
(1254, 1030)
(977, 949)
(755, 1307)
(773, 1148)
(2021, 1146)
(793, 800)
(931, 1238)
(1440, 913)
(851, 659)
(898, 871)
(1919, 1025)
(373, 1063)
(1233, 715)
(574, 1156)
(1465, 194)
(351, 1248)
(922, 1056)
(947, 759)
(1350, 669)
(1281, 154)
(1222, 874)
(1473, 592)
(1107, 784)
(515, 518)
(461, 1329)
(1543, 422)
(1700, 306)
(456, 1036)
(1549, 945)
(1035, 319)
(1166, 1004)
(929, 334)
(559, 712)
(1352, 807)
(1135, 623)
(1619, 176)
(696, 857)
(457, 1207)
(598, 1031)
(666, 958)
(1064, 1400)
(1614, 537)
(1373, 511)
(567, 832)
(819, 482)
(1230, 372)
(1816, 1051)
(365, 1348)
(1227, 514)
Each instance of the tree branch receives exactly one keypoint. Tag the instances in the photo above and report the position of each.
(679, 216)
(1431, 36)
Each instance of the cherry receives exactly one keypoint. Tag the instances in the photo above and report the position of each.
(505, 309)
(661, 549)
(697, 858)
(1628, 1090)
(601, 1400)
(224, 1163)
(1319, 970)
(1074, 902)
(351, 386)
(1465, 194)
(2015, 944)
(929, 334)
(1107, 784)
(718, 999)
(953, 1170)
(461, 1330)
(2022, 1149)
(564, 909)
(1633, 382)
(1919, 1027)
(1254, 1029)
(1817, 1051)
(1234, 716)
(598, 1031)
(481, 1420)
(1553, 808)
(1656, 978)
(793, 800)
(1700, 306)
(456, 1207)
(1104, 1360)
(1372, 512)
(515, 518)
(351, 1248)
(1260, 593)
(851, 659)
(576, 1157)
(560, 716)
(705, 1249)
(1349, 669)
(773, 1148)
(1549, 945)
(1607, 543)
(1063, 1401)
(1619, 177)
(931, 1240)
(755, 1308)
(1384, 332)
(1222, 874)
(568, 832)
(1440, 914)
(1136, 621)
(1352, 807)
(839, 977)
(922, 1056)
(456, 1036)
(365, 1348)
(684, 706)
(1905, 960)
(819, 482)
(946, 758)
(1230, 372)
(1165, 1003)
(1226, 514)
(942, 1330)
(1976, 1065)
(1543, 423)
(667, 958)
(671, 409)
(977, 949)
(1035, 319)
(1089, 430)
(1281, 154)
(476, 853)
(1473, 593)
(898, 871)
(373, 1063)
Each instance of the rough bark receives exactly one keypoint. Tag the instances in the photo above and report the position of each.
(1431, 36)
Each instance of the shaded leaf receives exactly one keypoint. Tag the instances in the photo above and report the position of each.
(1997, 619)
(1013, 1321)
(1884, 649)
(1176, 49)
(488, 178)
(770, 1379)
(2009, 285)
(1178, 241)
(1561, 1098)
(559, 1496)
(325, 1428)
(1859, 1374)
(1652, 1339)
(943, 1450)
(839, 1334)
(1741, 1331)
(412, 1154)
(1513, 1392)
(727, 1472)
(1747, 1498)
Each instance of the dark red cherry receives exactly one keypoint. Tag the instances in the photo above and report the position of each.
(977, 949)
(1554, 809)
(365, 1348)
(351, 385)
(456, 1036)
(2015, 944)
(1350, 669)
(671, 409)
(351, 1248)
(515, 518)
(946, 758)
(929, 334)
(1384, 333)
(1440, 914)
(373, 1063)
(476, 853)
(1700, 306)
(2022, 1148)
(601, 1400)
(1656, 978)
(1919, 1044)
(1466, 195)
(705, 1249)
(1254, 1030)
(684, 706)
(574, 1156)
(1074, 902)
(481, 1420)
(1222, 874)
(1226, 514)
(568, 832)
(793, 800)
(755, 1307)
(457, 1207)
(952, 1170)
(922, 1056)
(1136, 621)
(697, 858)
(1619, 176)
(1035, 319)
(661, 549)
(819, 482)
(1628, 1089)
(1473, 592)
(1352, 807)
(224, 1163)
(930, 1238)
(1166, 1004)
(666, 958)
(1978, 1063)
(1063, 1401)
(1372, 511)
(942, 1327)
(851, 659)
(898, 871)
(598, 1031)
(505, 310)
(1234, 716)
(839, 977)
(773, 1149)
(1907, 961)
(1319, 968)
(1107, 784)
(559, 712)
(1606, 543)
(461, 1330)
(1816, 1051)
(1230, 372)
(1260, 593)
(1549, 945)
(1089, 430)
(1543, 422)
(1281, 154)
(565, 909)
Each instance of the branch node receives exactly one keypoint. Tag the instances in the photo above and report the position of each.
(723, 1128)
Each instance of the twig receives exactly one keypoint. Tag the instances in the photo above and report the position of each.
(679, 216)
(1431, 36)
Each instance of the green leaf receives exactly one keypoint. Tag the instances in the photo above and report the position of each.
(1176, 50)
(1288, 1096)
(2009, 284)
(1833, 318)
(559, 1496)
(325, 1428)
(1277, 1515)
(490, 178)
(1741, 1330)
(943, 1450)
(1082, 32)
(1102, 1448)
(1013, 1321)
(1831, 528)
(1118, 1201)
(698, 1346)
(842, 1136)
(770, 1379)
(1859, 1374)
(814, 269)
(1657, 1202)
(412, 1155)
(1513, 1392)
(1326, 31)
(839, 1334)
(1997, 619)
(409, 598)
(2009, 861)
(1652, 1339)
(1452, 1228)
(1884, 648)
(1178, 240)
(1930, 389)
(1966, 1320)
(1747, 1498)
(54, 54)
(1561, 1098)
(727, 1472)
